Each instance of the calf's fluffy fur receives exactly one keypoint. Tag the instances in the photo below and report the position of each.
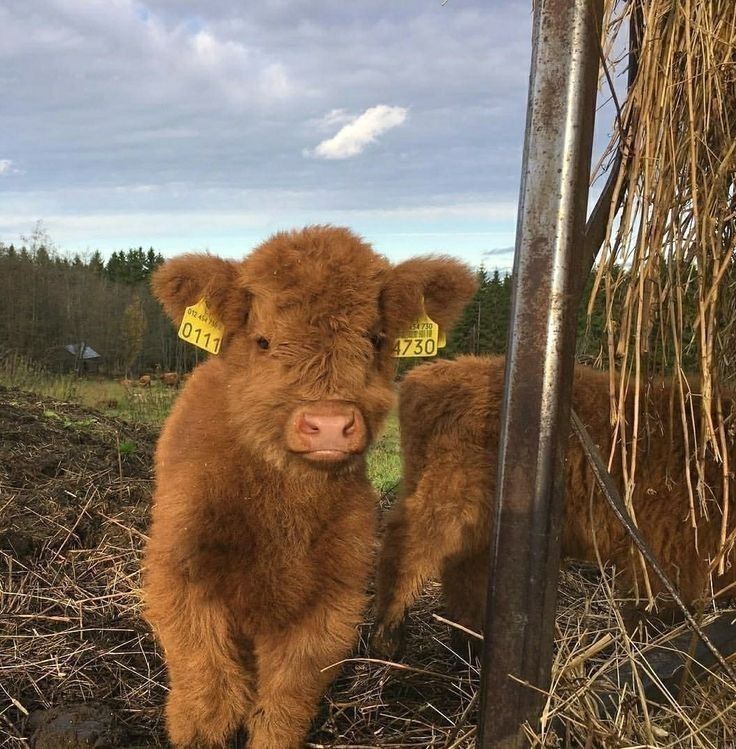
(449, 414)
(263, 519)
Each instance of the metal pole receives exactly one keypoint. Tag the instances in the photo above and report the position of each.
(525, 547)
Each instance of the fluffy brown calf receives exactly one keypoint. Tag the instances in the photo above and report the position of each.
(449, 414)
(263, 522)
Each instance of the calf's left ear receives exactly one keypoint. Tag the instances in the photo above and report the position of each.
(446, 285)
(186, 279)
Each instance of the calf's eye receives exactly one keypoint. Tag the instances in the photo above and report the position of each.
(262, 342)
(377, 341)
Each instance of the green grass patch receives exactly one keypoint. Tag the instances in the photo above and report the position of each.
(127, 447)
(384, 460)
(24, 374)
(150, 405)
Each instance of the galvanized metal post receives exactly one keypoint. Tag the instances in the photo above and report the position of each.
(525, 543)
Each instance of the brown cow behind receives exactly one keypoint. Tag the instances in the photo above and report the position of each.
(263, 523)
(449, 414)
(171, 379)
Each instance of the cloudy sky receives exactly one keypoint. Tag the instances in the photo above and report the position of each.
(209, 124)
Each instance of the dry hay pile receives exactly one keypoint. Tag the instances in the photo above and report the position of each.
(75, 490)
(667, 269)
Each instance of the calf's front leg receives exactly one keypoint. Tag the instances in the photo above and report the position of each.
(293, 670)
(446, 515)
(211, 674)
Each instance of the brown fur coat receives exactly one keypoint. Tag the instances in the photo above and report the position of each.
(449, 416)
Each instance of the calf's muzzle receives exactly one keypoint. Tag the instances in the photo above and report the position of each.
(327, 431)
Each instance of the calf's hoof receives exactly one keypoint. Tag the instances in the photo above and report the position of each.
(388, 642)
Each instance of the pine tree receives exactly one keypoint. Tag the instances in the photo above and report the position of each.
(153, 260)
(464, 337)
(96, 263)
(114, 267)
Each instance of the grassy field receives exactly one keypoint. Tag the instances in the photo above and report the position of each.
(148, 405)
(384, 461)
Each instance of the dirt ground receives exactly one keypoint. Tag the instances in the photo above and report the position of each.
(79, 667)
(75, 489)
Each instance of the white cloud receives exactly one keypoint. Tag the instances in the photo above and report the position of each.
(352, 138)
(158, 59)
(491, 210)
(334, 118)
(6, 167)
(108, 230)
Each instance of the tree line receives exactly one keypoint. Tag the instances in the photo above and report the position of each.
(49, 300)
(483, 327)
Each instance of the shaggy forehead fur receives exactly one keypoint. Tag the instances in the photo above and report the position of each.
(318, 269)
(320, 279)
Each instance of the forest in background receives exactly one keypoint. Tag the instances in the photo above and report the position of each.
(49, 300)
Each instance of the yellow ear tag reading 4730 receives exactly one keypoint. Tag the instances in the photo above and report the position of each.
(201, 328)
(422, 339)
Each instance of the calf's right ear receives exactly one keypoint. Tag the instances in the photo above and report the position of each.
(186, 279)
(440, 284)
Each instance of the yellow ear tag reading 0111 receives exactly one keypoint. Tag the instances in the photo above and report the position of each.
(201, 328)
(422, 339)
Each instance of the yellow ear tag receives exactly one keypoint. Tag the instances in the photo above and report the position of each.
(422, 339)
(201, 328)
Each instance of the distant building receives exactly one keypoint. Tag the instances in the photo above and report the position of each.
(76, 357)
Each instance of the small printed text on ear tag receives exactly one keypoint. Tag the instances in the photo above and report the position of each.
(423, 338)
(201, 328)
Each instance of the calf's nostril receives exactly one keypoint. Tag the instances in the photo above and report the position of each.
(308, 425)
(349, 427)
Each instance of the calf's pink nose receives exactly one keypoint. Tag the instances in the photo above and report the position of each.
(327, 432)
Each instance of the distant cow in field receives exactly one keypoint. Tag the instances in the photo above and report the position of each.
(264, 521)
(170, 379)
(449, 414)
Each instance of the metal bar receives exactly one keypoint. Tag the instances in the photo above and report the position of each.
(595, 229)
(525, 541)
